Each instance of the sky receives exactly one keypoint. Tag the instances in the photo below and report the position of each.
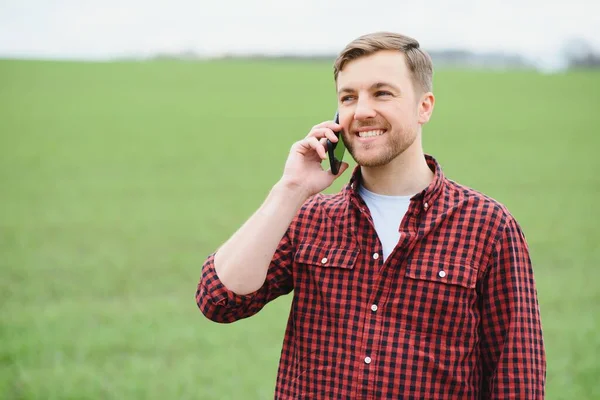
(85, 29)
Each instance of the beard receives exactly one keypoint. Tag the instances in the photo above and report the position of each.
(381, 153)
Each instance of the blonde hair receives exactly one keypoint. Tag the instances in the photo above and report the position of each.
(418, 61)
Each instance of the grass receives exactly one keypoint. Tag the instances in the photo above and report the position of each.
(117, 179)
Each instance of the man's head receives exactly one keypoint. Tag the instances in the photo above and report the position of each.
(384, 84)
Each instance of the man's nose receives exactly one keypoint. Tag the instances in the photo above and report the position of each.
(364, 110)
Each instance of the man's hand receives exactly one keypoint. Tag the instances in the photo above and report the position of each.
(242, 263)
(303, 170)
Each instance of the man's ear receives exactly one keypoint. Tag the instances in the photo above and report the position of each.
(426, 107)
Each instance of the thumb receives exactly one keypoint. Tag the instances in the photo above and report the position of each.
(343, 168)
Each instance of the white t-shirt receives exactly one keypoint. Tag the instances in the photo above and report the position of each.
(387, 213)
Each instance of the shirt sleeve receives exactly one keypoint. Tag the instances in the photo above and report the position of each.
(222, 305)
(512, 347)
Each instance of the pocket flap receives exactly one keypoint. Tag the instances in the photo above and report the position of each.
(455, 272)
(336, 257)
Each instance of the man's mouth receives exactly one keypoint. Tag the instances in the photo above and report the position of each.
(372, 133)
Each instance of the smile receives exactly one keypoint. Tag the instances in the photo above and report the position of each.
(371, 133)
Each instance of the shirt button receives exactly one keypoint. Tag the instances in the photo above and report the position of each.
(376, 255)
(442, 274)
(367, 360)
(374, 307)
(324, 260)
(426, 205)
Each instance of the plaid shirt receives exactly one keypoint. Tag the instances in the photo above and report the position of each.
(451, 314)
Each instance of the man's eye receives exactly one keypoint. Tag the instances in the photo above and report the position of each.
(383, 93)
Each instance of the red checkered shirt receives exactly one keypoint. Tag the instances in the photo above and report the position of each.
(451, 314)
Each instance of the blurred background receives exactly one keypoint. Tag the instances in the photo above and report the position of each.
(135, 137)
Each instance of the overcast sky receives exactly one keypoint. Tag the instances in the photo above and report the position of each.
(107, 28)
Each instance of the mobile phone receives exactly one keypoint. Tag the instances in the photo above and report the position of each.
(336, 150)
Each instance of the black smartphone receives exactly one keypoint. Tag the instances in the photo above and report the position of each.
(336, 150)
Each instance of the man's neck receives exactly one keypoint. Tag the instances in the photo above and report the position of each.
(406, 175)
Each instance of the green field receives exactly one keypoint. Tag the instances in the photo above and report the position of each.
(118, 179)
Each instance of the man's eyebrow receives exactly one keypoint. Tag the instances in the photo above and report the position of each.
(379, 85)
(376, 85)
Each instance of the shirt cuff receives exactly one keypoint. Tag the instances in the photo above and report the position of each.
(218, 293)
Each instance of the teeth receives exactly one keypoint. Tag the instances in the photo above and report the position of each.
(370, 133)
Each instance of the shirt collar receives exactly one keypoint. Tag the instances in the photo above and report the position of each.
(427, 196)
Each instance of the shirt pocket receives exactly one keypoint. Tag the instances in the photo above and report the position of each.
(325, 290)
(439, 297)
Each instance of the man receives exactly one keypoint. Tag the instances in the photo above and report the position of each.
(406, 284)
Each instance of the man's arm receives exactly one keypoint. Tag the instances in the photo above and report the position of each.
(254, 265)
(512, 345)
(220, 304)
(242, 262)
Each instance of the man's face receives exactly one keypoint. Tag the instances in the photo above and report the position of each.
(379, 108)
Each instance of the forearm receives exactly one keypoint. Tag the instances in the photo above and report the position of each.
(242, 262)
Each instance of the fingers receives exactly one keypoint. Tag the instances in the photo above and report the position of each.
(328, 124)
(325, 130)
(309, 146)
(324, 133)
(316, 140)
(317, 145)
(323, 142)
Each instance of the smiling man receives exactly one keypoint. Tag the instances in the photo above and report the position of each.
(406, 285)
